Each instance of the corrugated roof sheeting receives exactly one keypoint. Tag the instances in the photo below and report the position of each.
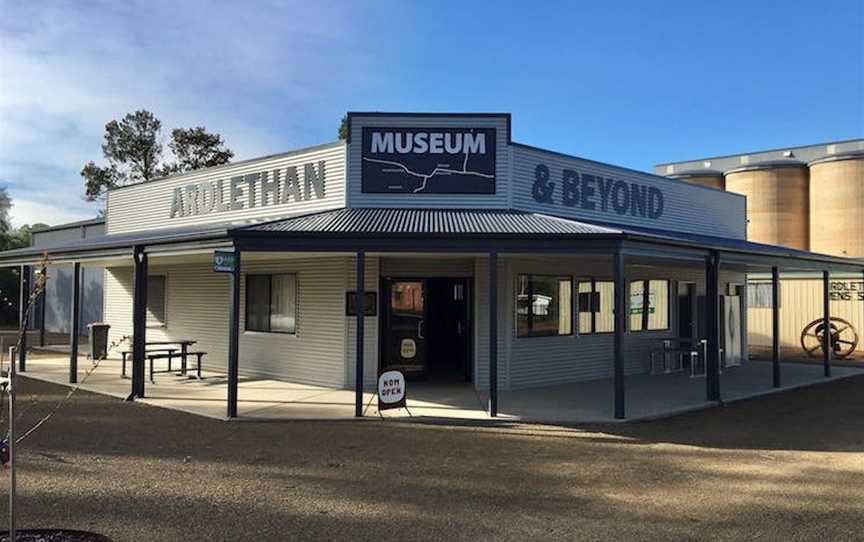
(431, 222)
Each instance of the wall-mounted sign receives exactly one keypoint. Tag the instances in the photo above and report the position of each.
(428, 160)
(224, 262)
(260, 189)
(594, 193)
(391, 390)
(370, 304)
(846, 290)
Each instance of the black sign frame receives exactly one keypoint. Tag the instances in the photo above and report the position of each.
(420, 171)
(370, 303)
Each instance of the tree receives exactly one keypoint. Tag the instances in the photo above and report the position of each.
(343, 127)
(195, 148)
(133, 149)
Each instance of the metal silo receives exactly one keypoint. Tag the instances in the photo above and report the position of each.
(837, 204)
(777, 201)
(704, 177)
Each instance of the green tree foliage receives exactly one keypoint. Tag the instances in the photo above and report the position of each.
(196, 148)
(133, 151)
(10, 238)
(343, 127)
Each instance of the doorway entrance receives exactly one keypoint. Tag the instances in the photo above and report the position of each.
(425, 328)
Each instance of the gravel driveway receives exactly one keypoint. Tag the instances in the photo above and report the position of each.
(783, 467)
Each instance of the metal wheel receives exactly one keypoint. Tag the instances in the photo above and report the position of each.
(843, 337)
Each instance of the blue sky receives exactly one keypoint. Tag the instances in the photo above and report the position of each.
(631, 83)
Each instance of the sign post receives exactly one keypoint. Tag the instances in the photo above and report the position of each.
(391, 390)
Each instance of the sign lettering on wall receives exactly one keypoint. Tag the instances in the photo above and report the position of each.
(260, 189)
(595, 193)
(846, 290)
(428, 160)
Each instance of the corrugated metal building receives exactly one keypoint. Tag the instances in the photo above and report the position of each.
(432, 244)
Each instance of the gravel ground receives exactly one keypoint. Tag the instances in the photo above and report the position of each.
(784, 467)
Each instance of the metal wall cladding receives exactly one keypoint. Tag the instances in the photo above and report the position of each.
(58, 298)
(777, 203)
(356, 198)
(51, 237)
(147, 206)
(197, 309)
(801, 303)
(687, 207)
(837, 206)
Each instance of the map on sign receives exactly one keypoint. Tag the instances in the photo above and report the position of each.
(428, 160)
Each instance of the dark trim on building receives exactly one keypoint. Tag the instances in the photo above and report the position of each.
(430, 115)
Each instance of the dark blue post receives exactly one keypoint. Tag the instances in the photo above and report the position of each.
(712, 321)
(775, 326)
(826, 323)
(620, 311)
(361, 310)
(75, 322)
(25, 300)
(139, 321)
(233, 335)
(493, 334)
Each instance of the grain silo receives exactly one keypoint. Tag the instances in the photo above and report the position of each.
(777, 201)
(837, 204)
(705, 177)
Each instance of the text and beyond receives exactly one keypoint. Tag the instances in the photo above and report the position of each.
(593, 192)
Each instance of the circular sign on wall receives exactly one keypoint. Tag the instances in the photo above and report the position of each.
(408, 349)
(391, 390)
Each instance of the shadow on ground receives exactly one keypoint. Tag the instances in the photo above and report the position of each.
(788, 466)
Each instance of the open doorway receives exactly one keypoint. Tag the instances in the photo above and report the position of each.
(426, 328)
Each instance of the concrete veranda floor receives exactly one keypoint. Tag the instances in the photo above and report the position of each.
(647, 396)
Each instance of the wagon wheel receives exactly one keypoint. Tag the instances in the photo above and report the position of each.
(843, 337)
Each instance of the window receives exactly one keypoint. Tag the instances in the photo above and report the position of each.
(759, 295)
(271, 303)
(156, 300)
(649, 305)
(544, 305)
(596, 304)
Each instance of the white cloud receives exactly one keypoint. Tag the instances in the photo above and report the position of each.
(31, 212)
(238, 69)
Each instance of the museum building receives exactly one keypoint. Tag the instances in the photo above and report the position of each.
(435, 245)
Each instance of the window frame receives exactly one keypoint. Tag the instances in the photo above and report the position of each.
(531, 333)
(592, 295)
(646, 296)
(769, 301)
(247, 304)
(153, 323)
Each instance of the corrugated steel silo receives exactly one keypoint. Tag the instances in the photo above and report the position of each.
(777, 201)
(837, 204)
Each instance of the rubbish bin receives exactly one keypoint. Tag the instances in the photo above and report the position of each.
(98, 334)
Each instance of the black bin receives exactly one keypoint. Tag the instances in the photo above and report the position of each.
(98, 334)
